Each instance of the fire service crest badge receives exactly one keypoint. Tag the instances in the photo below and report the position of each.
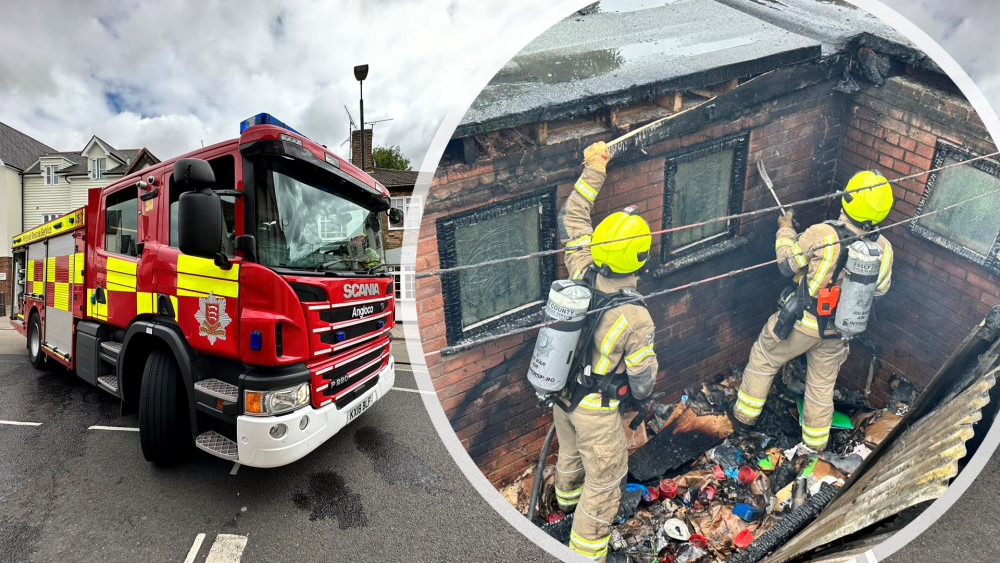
(212, 318)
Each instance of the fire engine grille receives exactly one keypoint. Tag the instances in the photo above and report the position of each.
(353, 331)
(340, 314)
(358, 369)
(347, 398)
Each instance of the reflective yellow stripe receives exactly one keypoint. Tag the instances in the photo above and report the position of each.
(594, 402)
(753, 401)
(585, 190)
(783, 242)
(197, 277)
(97, 310)
(580, 241)
(144, 303)
(603, 365)
(61, 300)
(750, 412)
(76, 267)
(609, 339)
(50, 269)
(824, 266)
(121, 266)
(639, 355)
(816, 432)
(38, 288)
(883, 273)
(592, 544)
(120, 279)
(809, 321)
(68, 222)
(30, 271)
(815, 442)
(799, 255)
(570, 495)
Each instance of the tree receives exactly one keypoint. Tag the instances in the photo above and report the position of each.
(390, 157)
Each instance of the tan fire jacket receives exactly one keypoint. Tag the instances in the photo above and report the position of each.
(798, 255)
(623, 339)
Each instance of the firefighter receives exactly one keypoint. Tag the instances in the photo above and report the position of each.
(812, 271)
(593, 459)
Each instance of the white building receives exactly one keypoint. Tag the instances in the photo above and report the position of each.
(57, 182)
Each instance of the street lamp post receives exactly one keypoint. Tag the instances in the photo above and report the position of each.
(360, 73)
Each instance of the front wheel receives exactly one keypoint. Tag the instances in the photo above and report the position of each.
(35, 353)
(164, 422)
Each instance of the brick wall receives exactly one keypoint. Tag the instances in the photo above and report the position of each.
(937, 297)
(6, 267)
(700, 332)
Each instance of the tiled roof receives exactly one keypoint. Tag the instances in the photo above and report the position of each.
(79, 166)
(394, 178)
(19, 150)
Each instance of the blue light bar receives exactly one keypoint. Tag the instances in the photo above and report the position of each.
(264, 119)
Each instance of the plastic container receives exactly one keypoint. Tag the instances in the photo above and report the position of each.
(698, 541)
(743, 539)
(746, 512)
(746, 475)
(720, 474)
(651, 495)
(668, 488)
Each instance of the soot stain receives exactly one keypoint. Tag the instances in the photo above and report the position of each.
(395, 463)
(328, 496)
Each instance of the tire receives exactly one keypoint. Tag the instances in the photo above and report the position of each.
(34, 343)
(164, 423)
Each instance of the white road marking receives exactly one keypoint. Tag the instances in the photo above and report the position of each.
(195, 547)
(19, 423)
(236, 467)
(408, 390)
(121, 428)
(227, 548)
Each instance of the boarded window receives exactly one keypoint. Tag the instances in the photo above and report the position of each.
(121, 221)
(700, 184)
(970, 229)
(489, 297)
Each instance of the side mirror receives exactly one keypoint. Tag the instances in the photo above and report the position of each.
(199, 223)
(395, 215)
(193, 174)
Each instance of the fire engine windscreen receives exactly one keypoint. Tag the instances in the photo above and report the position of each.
(309, 220)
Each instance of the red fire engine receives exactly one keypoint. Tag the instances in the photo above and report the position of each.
(235, 295)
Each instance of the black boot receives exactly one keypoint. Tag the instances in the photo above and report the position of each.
(738, 425)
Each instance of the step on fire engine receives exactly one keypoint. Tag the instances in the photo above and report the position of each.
(236, 296)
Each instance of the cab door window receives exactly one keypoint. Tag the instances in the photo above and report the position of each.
(121, 222)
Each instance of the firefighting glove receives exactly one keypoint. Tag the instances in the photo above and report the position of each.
(785, 221)
(596, 156)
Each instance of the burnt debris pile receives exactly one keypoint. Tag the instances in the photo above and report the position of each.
(700, 490)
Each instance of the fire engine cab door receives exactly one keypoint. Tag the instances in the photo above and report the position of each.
(59, 280)
(117, 263)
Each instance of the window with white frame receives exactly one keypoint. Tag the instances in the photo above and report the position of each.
(98, 166)
(46, 217)
(405, 283)
(51, 178)
(411, 206)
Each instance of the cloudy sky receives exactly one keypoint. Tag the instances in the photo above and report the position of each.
(172, 74)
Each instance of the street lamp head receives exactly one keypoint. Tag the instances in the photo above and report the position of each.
(361, 72)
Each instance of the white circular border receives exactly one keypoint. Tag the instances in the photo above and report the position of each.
(505, 47)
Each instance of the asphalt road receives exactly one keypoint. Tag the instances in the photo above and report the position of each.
(384, 489)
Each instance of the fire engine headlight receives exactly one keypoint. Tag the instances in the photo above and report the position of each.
(276, 401)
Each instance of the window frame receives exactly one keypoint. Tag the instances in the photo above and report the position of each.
(104, 220)
(943, 151)
(405, 282)
(409, 221)
(739, 143)
(522, 315)
(50, 172)
(98, 168)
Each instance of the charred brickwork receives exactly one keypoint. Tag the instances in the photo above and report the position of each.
(937, 295)
(700, 332)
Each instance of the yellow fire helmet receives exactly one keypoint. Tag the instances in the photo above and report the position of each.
(869, 205)
(624, 256)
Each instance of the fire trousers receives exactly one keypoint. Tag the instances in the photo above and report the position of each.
(823, 358)
(593, 460)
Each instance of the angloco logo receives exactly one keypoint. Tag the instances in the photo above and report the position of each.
(360, 290)
(362, 311)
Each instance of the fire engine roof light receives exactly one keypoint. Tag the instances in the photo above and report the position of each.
(265, 119)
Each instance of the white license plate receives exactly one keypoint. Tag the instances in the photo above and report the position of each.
(356, 411)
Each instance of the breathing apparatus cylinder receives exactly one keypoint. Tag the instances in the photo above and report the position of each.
(857, 290)
(556, 344)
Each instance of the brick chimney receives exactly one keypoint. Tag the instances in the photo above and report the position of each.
(356, 149)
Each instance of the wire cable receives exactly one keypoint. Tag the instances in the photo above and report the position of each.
(575, 247)
(473, 343)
